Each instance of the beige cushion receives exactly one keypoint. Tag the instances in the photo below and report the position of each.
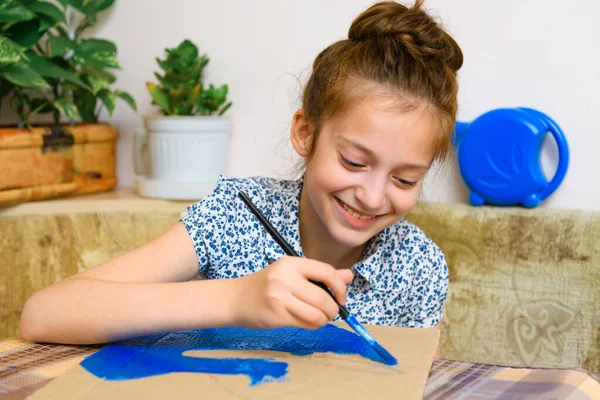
(524, 284)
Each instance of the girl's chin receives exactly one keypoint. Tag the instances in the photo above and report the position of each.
(349, 238)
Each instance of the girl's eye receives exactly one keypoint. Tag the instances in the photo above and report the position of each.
(351, 163)
(405, 183)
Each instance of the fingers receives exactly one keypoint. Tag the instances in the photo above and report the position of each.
(315, 296)
(305, 315)
(328, 275)
(284, 294)
(346, 275)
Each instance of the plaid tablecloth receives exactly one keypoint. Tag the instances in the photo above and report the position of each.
(25, 367)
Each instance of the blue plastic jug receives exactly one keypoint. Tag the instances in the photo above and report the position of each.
(499, 157)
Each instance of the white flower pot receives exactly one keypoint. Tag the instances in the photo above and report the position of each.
(184, 151)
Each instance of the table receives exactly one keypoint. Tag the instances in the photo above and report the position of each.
(25, 367)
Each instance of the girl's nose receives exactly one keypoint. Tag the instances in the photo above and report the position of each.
(372, 194)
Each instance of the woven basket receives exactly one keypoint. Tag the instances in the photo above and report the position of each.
(55, 161)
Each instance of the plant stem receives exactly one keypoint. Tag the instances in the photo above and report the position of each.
(97, 113)
(37, 46)
(82, 26)
(18, 104)
(56, 112)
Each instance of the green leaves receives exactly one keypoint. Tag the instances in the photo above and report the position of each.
(49, 69)
(102, 5)
(108, 99)
(59, 46)
(26, 22)
(127, 98)
(181, 88)
(49, 10)
(91, 52)
(97, 46)
(10, 52)
(23, 75)
(85, 102)
(26, 33)
(66, 106)
(183, 58)
(47, 65)
(14, 11)
(98, 79)
(89, 7)
(160, 98)
(41, 106)
(86, 7)
(97, 53)
(212, 99)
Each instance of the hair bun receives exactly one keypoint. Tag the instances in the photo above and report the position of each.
(412, 27)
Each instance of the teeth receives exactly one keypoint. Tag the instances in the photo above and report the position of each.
(355, 214)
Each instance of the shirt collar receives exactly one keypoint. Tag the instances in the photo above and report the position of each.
(370, 263)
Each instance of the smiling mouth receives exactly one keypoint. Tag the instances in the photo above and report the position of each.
(354, 213)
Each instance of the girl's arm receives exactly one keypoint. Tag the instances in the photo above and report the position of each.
(148, 291)
(144, 291)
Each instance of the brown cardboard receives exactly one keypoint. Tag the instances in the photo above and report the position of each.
(313, 377)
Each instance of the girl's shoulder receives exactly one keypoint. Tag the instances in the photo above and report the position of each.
(258, 187)
(263, 191)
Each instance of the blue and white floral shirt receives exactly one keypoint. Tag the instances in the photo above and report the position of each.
(402, 279)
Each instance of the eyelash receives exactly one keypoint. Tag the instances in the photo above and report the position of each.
(406, 183)
(354, 165)
(351, 163)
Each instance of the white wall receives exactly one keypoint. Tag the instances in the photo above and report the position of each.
(537, 53)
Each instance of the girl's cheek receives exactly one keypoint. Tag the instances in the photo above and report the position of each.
(405, 200)
(332, 175)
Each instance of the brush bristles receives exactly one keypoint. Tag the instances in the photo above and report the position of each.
(362, 332)
(385, 355)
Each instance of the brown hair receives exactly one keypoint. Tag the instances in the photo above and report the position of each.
(402, 50)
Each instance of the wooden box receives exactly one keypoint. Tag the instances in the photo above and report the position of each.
(54, 161)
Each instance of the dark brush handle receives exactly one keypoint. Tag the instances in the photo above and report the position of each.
(287, 248)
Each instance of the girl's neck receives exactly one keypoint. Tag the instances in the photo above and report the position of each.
(317, 243)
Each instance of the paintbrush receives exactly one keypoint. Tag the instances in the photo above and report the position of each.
(354, 324)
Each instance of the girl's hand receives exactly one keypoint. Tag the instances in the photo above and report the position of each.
(281, 294)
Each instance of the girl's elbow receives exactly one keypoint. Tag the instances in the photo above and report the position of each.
(32, 325)
(29, 328)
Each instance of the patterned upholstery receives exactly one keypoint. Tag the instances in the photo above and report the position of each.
(524, 283)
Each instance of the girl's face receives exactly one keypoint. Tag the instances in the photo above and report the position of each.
(367, 168)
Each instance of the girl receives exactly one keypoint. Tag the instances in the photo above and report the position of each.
(377, 111)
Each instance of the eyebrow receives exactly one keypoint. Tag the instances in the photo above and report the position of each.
(372, 154)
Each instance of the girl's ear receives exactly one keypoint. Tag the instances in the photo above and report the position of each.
(301, 133)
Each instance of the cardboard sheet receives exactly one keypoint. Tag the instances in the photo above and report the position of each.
(308, 377)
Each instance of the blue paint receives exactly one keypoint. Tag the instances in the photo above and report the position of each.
(162, 354)
(134, 362)
(385, 355)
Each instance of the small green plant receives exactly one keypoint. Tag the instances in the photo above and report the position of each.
(47, 65)
(181, 90)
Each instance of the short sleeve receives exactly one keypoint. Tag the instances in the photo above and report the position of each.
(209, 220)
(429, 290)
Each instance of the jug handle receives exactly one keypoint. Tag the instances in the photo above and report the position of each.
(563, 153)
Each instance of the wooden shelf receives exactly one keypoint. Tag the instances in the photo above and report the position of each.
(115, 200)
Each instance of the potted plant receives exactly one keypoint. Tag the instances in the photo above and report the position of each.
(49, 67)
(187, 141)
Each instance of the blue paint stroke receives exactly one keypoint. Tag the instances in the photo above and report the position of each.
(387, 357)
(161, 354)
